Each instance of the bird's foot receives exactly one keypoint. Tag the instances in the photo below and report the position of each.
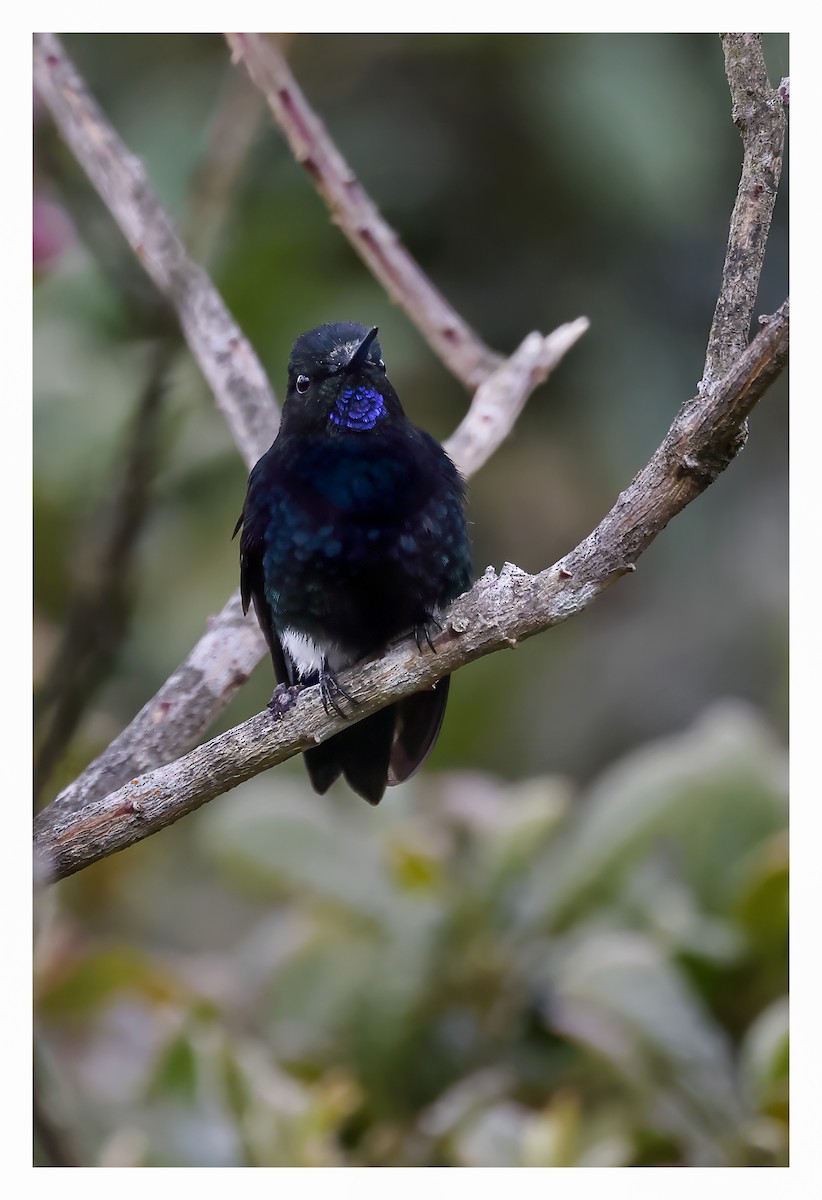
(423, 631)
(282, 699)
(331, 690)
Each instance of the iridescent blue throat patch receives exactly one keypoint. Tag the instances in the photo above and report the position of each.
(358, 408)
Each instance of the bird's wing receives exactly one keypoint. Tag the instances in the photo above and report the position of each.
(419, 720)
(252, 590)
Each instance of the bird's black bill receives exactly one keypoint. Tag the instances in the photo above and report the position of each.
(361, 353)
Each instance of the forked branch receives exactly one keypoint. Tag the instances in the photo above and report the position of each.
(499, 611)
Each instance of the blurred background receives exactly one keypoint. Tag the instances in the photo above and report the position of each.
(565, 942)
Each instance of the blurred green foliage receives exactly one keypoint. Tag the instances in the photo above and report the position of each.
(490, 975)
(570, 947)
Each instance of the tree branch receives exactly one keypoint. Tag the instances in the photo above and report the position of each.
(451, 339)
(103, 588)
(174, 719)
(758, 112)
(501, 398)
(499, 611)
(223, 353)
(197, 692)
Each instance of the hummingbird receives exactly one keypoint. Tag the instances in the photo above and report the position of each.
(353, 535)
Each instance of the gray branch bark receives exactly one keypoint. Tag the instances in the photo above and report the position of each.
(449, 336)
(758, 112)
(224, 354)
(174, 719)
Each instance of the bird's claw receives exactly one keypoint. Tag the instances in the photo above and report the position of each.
(330, 690)
(422, 632)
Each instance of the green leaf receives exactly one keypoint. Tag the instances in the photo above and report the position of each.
(764, 1059)
(717, 790)
(761, 899)
(617, 994)
(175, 1076)
(92, 981)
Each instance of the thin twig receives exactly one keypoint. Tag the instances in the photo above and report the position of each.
(451, 339)
(173, 720)
(103, 593)
(98, 610)
(230, 138)
(224, 355)
(499, 611)
(758, 113)
(498, 402)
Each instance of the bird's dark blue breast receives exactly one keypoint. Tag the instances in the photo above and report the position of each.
(359, 538)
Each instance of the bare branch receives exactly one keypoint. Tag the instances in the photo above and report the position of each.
(498, 402)
(174, 720)
(102, 590)
(351, 208)
(233, 128)
(758, 112)
(225, 356)
(499, 611)
(103, 587)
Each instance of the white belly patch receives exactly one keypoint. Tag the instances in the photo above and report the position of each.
(307, 655)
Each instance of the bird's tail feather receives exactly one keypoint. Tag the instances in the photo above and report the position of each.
(419, 720)
(361, 754)
(384, 749)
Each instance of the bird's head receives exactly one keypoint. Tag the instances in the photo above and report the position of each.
(337, 382)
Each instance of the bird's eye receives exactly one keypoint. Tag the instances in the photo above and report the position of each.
(303, 384)
(381, 365)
